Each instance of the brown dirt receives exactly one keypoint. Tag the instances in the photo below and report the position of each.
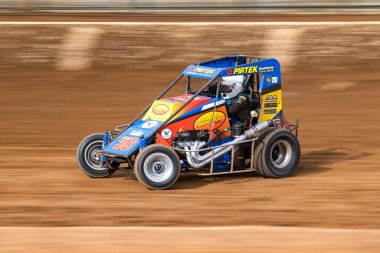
(45, 113)
(195, 239)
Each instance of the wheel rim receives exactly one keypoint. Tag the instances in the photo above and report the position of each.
(90, 155)
(281, 154)
(158, 167)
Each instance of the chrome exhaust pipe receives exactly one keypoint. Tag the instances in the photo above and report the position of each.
(201, 161)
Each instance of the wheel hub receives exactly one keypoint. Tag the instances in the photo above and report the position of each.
(158, 167)
(91, 155)
(281, 154)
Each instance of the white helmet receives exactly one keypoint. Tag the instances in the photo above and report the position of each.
(232, 86)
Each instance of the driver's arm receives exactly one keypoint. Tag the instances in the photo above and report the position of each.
(236, 105)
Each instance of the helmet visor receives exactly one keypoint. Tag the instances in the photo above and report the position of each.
(227, 88)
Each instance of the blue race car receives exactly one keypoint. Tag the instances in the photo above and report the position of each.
(229, 120)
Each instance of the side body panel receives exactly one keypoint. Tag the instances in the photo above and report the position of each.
(197, 115)
(198, 119)
(162, 109)
(271, 105)
(132, 138)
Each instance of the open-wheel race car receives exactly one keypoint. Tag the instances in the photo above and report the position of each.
(228, 119)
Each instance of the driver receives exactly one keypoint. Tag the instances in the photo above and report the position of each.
(237, 102)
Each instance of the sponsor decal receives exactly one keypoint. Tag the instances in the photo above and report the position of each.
(245, 70)
(251, 70)
(125, 143)
(268, 79)
(149, 124)
(271, 98)
(201, 71)
(138, 133)
(229, 71)
(166, 133)
(275, 79)
(184, 134)
(271, 111)
(270, 105)
(160, 109)
(204, 121)
(266, 69)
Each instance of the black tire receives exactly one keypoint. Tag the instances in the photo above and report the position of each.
(258, 150)
(90, 165)
(277, 154)
(157, 167)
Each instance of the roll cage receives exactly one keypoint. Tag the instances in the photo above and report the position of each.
(254, 67)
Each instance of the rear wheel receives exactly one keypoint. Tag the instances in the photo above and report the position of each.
(157, 167)
(277, 154)
(258, 150)
(88, 161)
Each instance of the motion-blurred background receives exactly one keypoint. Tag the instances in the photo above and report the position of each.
(231, 6)
(71, 68)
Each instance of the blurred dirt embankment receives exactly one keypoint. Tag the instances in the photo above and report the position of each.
(323, 48)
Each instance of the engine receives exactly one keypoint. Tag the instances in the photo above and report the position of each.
(190, 136)
(189, 142)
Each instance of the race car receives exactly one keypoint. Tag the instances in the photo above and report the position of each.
(229, 119)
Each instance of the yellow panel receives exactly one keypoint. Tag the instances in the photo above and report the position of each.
(161, 110)
(271, 104)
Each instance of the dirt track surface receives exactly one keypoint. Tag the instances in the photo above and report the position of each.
(45, 115)
(46, 112)
(195, 239)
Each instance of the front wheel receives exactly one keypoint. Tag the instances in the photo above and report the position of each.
(88, 161)
(157, 167)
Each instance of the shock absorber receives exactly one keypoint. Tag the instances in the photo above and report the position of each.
(106, 138)
(238, 130)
